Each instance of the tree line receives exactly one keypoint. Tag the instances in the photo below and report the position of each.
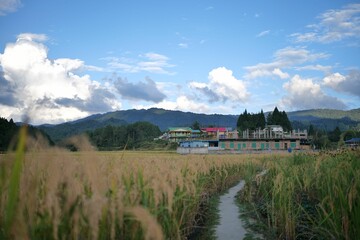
(321, 139)
(132, 136)
(9, 132)
(254, 121)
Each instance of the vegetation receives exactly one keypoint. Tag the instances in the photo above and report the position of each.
(65, 130)
(50, 193)
(320, 139)
(159, 117)
(254, 121)
(251, 121)
(132, 136)
(279, 118)
(109, 195)
(9, 130)
(308, 196)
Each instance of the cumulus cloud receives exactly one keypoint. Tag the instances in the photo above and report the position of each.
(149, 62)
(222, 86)
(7, 96)
(334, 25)
(305, 94)
(147, 90)
(349, 84)
(8, 6)
(45, 89)
(334, 80)
(283, 58)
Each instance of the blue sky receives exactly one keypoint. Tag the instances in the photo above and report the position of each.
(64, 60)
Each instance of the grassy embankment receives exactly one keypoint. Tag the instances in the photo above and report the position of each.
(307, 197)
(50, 193)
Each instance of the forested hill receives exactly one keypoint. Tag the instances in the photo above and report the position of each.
(312, 114)
(324, 119)
(159, 117)
(168, 118)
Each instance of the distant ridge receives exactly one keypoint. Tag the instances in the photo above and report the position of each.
(159, 117)
(326, 119)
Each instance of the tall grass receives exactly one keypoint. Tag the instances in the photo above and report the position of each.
(109, 195)
(14, 184)
(310, 196)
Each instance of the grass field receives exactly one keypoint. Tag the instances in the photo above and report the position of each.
(307, 196)
(50, 193)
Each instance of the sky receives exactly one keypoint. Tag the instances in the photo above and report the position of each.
(65, 60)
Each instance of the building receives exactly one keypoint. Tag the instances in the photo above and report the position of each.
(260, 144)
(270, 138)
(193, 147)
(353, 143)
(179, 134)
(219, 133)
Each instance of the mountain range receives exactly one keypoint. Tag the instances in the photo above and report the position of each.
(325, 119)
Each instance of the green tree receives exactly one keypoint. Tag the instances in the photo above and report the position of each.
(334, 136)
(195, 125)
(311, 130)
(250, 121)
(279, 118)
(129, 136)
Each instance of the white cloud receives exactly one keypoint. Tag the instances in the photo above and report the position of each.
(288, 57)
(305, 94)
(8, 6)
(348, 84)
(149, 62)
(334, 80)
(186, 104)
(334, 25)
(263, 33)
(317, 67)
(32, 37)
(182, 103)
(48, 90)
(222, 86)
(183, 45)
(280, 73)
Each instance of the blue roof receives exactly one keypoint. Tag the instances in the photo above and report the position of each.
(353, 140)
